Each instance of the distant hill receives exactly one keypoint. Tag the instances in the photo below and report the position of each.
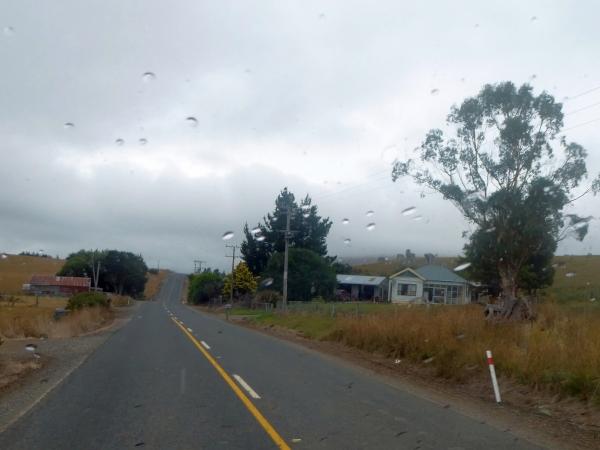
(582, 283)
(15, 270)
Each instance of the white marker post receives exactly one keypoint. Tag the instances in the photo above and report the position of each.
(490, 361)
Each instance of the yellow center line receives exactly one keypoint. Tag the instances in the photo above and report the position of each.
(277, 439)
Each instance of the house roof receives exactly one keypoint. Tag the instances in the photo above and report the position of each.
(411, 272)
(51, 280)
(359, 279)
(434, 272)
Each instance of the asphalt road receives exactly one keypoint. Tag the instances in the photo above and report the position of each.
(173, 378)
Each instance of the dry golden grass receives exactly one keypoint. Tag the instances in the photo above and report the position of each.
(154, 283)
(12, 370)
(560, 351)
(31, 321)
(17, 270)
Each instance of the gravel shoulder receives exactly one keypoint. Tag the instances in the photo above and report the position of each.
(58, 358)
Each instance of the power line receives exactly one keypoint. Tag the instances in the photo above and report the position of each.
(582, 109)
(582, 124)
(581, 94)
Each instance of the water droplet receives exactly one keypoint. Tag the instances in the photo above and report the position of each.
(408, 211)
(490, 229)
(228, 235)
(266, 282)
(476, 25)
(371, 226)
(143, 141)
(119, 142)
(533, 18)
(305, 207)
(4, 256)
(261, 238)
(417, 218)
(533, 77)
(69, 125)
(322, 16)
(254, 231)
(31, 347)
(148, 76)
(369, 213)
(306, 215)
(191, 121)
(580, 224)
(462, 80)
(570, 274)
(462, 267)
(345, 221)
(347, 241)
(8, 31)
(435, 91)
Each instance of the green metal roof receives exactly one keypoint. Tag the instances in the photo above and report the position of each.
(434, 272)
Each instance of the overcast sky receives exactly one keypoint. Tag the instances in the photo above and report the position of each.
(317, 96)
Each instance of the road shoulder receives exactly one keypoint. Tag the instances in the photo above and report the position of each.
(59, 358)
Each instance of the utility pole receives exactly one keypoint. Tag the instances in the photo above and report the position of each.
(285, 259)
(198, 265)
(232, 256)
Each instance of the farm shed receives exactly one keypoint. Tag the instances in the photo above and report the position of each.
(59, 286)
(362, 287)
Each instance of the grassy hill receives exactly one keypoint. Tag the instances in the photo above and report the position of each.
(586, 269)
(16, 270)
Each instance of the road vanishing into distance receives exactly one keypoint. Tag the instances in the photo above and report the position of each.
(174, 378)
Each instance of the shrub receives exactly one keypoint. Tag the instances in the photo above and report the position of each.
(87, 299)
(267, 296)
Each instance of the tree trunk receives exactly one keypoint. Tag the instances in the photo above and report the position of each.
(513, 307)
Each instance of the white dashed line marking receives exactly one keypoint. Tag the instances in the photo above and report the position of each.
(246, 386)
(205, 345)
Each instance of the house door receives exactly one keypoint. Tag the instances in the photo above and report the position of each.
(427, 294)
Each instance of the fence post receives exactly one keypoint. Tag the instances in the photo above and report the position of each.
(490, 361)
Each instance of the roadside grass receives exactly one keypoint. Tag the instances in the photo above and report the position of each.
(12, 370)
(17, 270)
(154, 283)
(560, 352)
(25, 321)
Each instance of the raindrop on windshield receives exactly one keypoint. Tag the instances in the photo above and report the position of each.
(119, 142)
(408, 211)
(31, 347)
(462, 267)
(191, 121)
(305, 207)
(227, 235)
(266, 282)
(261, 238)
(435, 91)
(148, 76)
(345, 221)
(371, 226)
(533, 77)
(370, 213)
(69, 125)
(143, 141)
(417, 218)
(254, 231)
(4, 256)
(8, 31)
(306, 215)
(347, 241)
(476, 25)
(570, 274)
(533, 18)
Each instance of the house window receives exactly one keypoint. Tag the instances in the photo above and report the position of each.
(454, 294)
(407, 289)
